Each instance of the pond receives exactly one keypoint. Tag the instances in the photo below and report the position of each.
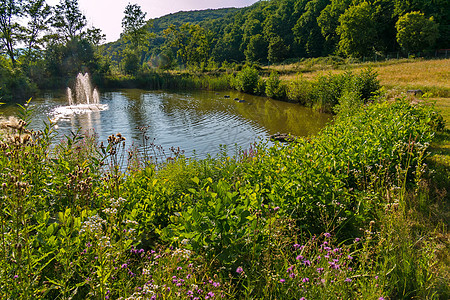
(197, 122)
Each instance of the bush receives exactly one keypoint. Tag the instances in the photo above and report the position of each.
(274, 87)
(299, 90)
(246, 80)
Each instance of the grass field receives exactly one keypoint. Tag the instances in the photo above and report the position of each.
(431, 76)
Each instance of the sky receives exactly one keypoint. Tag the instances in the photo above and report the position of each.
(107, 14)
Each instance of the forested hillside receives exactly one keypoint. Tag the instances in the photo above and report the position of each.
(158, 25)
(277, 30)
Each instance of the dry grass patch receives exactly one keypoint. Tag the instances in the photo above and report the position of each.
(430, 75)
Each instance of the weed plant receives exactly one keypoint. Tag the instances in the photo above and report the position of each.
(321, 218)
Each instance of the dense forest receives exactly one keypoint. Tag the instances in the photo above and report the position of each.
(43, 47)
(277, 30)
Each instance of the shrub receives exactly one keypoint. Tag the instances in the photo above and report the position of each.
(247, 80)
(274, 87)
(299, 90)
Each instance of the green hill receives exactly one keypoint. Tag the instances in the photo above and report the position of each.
(212, 16)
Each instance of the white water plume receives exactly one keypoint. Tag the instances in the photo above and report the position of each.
(85, 100)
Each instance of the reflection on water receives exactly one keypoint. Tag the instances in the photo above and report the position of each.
(193, 121)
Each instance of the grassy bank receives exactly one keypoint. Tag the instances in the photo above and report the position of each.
(351, 213)
(432, 76)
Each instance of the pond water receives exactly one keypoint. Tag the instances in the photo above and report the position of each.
(197, 122)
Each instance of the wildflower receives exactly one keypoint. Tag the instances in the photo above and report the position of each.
(299, 257)
(302, 298)
(292, 275)
(276, 208)
(357, 240)
(327, 235)
(306, 279)
(381, 298)
(307, 262)
(179, 268)
(282, 280)
(16, 276)
(350, 257)
(239, 270)
(298, 246)
(216, 284)
(348, 280)
(319, 270)
(124, 266)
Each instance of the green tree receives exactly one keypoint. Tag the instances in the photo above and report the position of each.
(278, 49)
(256, 50)
(328, 21)
(357, 30)
(415, 32)
(10, 28)
(68, 20)
(307, 31)
(38, 13)
(193, 43)
(135, 27)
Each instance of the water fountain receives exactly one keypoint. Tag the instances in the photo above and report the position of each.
(85, 99)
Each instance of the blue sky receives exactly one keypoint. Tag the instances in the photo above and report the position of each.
(107, 14)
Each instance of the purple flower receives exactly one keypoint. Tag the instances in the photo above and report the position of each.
(319, 270)
(190, 293)
(292, 275)
(216, 284)
(124, 266)
(302, 298)
(16, 276)
(296, 246)
(179, 268)
(327, 235)
(357, 240)
(239, 270)
(276, 208)
(350, 257)
(348, 280)
(381, 298)
(299, 257)
(282, 280)
(306, 279)
(306, 262)
(211, 294)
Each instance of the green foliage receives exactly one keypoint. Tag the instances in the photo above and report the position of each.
(131, 62)
(415, 32)
(354, 41)
(246, 80)
(135, 28)
(68, 20)
(256, 225)
(274, 87)
(192, 43)
(14, 84)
